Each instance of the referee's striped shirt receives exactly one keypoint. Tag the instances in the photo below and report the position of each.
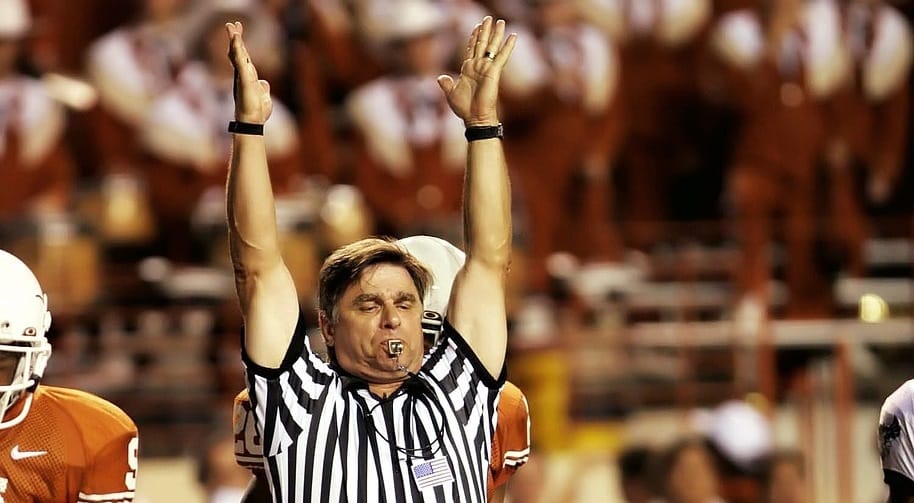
(327, 439)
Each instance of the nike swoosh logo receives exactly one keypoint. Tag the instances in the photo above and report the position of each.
(16, 454)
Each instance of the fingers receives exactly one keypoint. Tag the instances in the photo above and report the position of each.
(446, 82)
(488, 40)
(482, 39)
(238, 53)
(265, 85)
(235, 31)
(501, 57)
(471, 43)
(495, 41)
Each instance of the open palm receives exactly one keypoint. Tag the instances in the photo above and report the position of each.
(474, 95)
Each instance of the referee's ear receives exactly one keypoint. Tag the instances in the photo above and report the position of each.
(326, 327)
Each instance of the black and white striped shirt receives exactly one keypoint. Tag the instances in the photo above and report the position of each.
(326, 438)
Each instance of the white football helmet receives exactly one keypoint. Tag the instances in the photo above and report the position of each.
(24, 322)
(444, 260)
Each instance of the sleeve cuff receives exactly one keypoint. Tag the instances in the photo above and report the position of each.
(467, 352)
(297, 347)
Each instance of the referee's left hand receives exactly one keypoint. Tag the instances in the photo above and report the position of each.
(252, 96)
(473, 97)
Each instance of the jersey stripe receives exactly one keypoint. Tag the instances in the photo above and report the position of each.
(106, 497)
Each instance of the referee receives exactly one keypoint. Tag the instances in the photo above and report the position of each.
(382, 421)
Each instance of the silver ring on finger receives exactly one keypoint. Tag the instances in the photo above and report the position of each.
(489, 55)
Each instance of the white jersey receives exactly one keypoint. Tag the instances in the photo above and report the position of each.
(896, 431)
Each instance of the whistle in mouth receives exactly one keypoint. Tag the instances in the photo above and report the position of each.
(394, 347)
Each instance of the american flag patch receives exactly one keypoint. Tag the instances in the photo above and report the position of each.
(432, 473)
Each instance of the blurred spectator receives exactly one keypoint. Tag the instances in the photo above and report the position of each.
(64, 30)
(131, 67)
(896, 443)
(338, 34)
(689, 474)
(879, 41)
(106, 369)
(320, 40)
(265, 38)
(783, 59)
(222, 479)
(411, 149)
(37, 173)
(740, 439)
(635, 475)
(786, 478)
(663, 50)
(561, 114)
(184, 136)
(868, 121)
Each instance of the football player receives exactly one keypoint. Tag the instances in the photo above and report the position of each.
(63, 444)
(896, 443)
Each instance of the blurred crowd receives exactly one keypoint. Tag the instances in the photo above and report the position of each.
(759, 122)
(698, 470)
(629, 125)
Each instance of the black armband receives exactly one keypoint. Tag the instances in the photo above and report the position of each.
(485, 132)
(245, 128)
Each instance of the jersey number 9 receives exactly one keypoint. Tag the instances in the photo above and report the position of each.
(133, 462)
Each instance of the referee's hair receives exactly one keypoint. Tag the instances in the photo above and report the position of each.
(345, 265)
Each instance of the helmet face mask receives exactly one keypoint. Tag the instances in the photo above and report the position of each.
(24, 348)
(20, 371)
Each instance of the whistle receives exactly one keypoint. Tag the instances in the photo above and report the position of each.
(394, 347)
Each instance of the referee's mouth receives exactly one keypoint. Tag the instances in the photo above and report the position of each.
(393, 349)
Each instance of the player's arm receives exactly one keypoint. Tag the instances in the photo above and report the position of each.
(512, 434)
(477, 306)
(264, 286)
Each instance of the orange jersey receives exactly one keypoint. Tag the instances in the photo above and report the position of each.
(248, 442)
(510, 447)
(71, 447)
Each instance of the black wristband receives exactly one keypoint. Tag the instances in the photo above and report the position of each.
(485, 132)
(245, 128)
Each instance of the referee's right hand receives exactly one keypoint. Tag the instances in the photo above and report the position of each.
(252, 96)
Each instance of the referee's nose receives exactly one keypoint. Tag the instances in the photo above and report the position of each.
(390, 317)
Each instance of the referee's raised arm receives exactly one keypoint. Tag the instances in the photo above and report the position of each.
(264, 286)
(477, 306)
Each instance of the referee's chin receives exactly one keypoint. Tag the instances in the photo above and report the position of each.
(396, 366)
(383, 372)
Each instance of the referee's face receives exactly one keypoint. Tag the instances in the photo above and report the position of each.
(383, 304)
